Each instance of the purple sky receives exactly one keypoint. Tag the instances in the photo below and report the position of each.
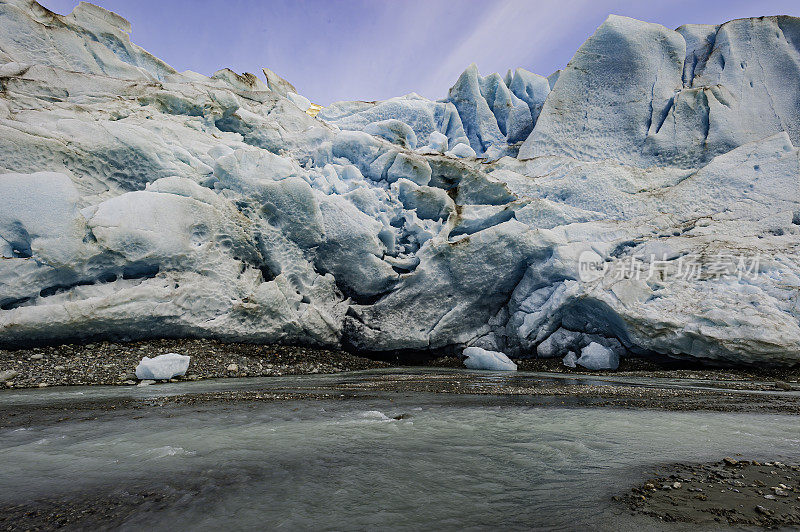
(372, 50)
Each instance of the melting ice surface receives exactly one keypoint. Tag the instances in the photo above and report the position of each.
(138, 201)
(451, 462)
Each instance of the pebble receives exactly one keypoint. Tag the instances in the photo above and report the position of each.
(730, 461)
(7, 375)
(783, 385)
(673, 504)
(112, 363)
(233, 368)
(763, 511)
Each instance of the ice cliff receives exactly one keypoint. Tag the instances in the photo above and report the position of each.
(646, 198)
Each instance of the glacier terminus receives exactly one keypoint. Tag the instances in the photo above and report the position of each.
(642, 201)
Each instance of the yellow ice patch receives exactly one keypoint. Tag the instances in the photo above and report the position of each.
(314, 109)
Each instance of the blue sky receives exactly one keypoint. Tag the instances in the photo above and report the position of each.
(371, 50)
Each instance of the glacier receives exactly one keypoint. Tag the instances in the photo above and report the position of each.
(646, 199)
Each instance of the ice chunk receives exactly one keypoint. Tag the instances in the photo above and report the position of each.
(394, 131)
(595, 356)
(461, 151)
(478, 358)
(437, 142)
(564, 340)
(162, 367)
(409, 166)
(558, 342)
(430, 203)
(376, 415)
(570, 359)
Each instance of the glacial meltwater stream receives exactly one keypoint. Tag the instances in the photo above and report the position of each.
(449, 461)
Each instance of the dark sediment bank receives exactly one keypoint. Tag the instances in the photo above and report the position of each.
(733, 492)
(748, 495)
(455, 386)
(637, 383)
(113, 363)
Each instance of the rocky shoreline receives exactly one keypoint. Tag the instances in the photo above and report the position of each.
(783, 378)
(731, 492)
(113, 363)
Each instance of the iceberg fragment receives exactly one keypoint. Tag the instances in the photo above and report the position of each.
(596, 357)
(477, 358)
(162, 367)
(461, 151)
(437, 142)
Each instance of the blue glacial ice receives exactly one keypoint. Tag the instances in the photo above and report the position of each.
(596, 357)
(139, 201)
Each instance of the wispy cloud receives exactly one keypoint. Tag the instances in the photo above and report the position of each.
(369, 49)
